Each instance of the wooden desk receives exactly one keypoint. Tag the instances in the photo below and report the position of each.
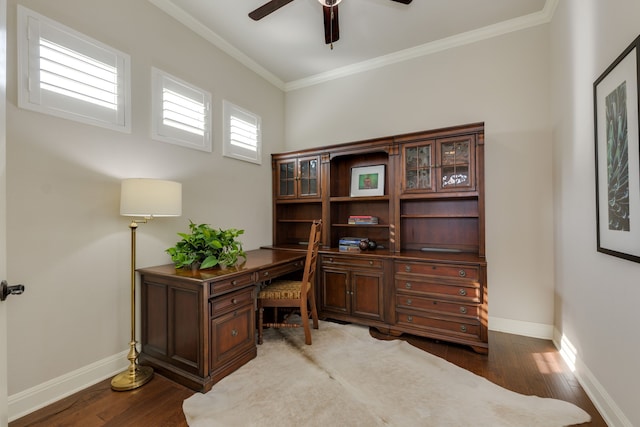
(198, 327)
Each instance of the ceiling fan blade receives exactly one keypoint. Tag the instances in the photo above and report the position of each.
(331, 28)
(403, 1)
(268, 8)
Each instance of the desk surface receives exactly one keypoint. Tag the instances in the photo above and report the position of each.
(256, 260)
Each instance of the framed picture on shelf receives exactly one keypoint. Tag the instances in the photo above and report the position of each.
(367, 181)
(617, 145)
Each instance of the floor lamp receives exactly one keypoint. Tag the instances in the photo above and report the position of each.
(144, 199)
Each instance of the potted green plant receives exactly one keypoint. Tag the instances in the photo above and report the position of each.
(206, 247)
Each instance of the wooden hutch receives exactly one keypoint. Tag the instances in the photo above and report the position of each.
(428, 276)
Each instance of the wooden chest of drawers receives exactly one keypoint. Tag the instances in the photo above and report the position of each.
(438, 300)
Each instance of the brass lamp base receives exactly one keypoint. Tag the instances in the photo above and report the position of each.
(129, 380)
(135, 376)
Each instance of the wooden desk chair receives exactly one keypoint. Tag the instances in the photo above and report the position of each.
(294, 294)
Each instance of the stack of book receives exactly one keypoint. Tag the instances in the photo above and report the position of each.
(349, 244)
(363, 219)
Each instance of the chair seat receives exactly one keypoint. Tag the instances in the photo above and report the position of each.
(281, 289)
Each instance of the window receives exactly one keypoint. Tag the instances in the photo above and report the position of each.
(181, 113)
(242, 134)
(67, 74)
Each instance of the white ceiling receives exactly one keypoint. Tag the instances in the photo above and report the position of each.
(287, 47)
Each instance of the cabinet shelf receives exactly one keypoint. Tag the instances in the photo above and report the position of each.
(303, 221)
(438, 196)
(359, 199)
(439, 216)
(361, 225)
(298, 201)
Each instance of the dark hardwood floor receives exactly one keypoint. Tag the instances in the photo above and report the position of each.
(524, 365)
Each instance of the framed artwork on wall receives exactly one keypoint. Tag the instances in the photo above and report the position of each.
(367, 181)
(617, 155)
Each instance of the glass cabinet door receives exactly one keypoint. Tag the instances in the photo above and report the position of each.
(298, 178)
(418, 167)
(286, 178)
(308, 177)
(456, 165)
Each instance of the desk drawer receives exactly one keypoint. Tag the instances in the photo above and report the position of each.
(232, 335)
(463, 291)
(280, 270)
(229, 284)
(353, 262)
(435, 306)
(232, 301)
(466, 272)
(453, 326)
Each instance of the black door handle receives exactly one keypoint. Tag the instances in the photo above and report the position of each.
(6, 290)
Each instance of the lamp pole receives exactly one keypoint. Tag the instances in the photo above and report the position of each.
(135, 376)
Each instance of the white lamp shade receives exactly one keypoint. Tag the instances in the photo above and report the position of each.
(143, 197)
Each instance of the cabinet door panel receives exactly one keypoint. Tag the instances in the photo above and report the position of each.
(232, 334)
(298, 177)
(184, 338)
(367, 297)
(286, 178)
(154, 334)
(418, 167)
(457, 160)
(308, 177)
(334, 296)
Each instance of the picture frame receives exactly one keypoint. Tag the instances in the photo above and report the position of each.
(617, 156)
(367, 181)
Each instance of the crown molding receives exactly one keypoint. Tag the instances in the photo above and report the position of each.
(534, 19)
(199, 28)
(516, 24)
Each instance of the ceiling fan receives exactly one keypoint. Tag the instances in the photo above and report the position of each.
(330, 12)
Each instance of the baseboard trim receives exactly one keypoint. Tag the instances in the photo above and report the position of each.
(607, 407)
(519, 327)
(34, 398)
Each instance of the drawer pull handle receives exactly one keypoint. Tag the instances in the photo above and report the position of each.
(330, 259)
(266, 273)
(409, 318)
(463, 328)
(370, 262)
(409, 301)
(408, 285)
(234, 282)
(463, 310)
(234, 332)
(234, 301)
(462, 292)
(462, 273)
(407, 268)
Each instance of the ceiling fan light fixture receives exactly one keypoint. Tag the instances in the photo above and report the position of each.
(329, 3)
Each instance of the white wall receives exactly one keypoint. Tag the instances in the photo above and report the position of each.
(502, 81)
(67, 242)
(532, 89)
(596, 294)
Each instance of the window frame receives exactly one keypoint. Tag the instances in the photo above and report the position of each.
(31, 27)
(161, 80)
(233, 151)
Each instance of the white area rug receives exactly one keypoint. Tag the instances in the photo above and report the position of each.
(347, 378)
